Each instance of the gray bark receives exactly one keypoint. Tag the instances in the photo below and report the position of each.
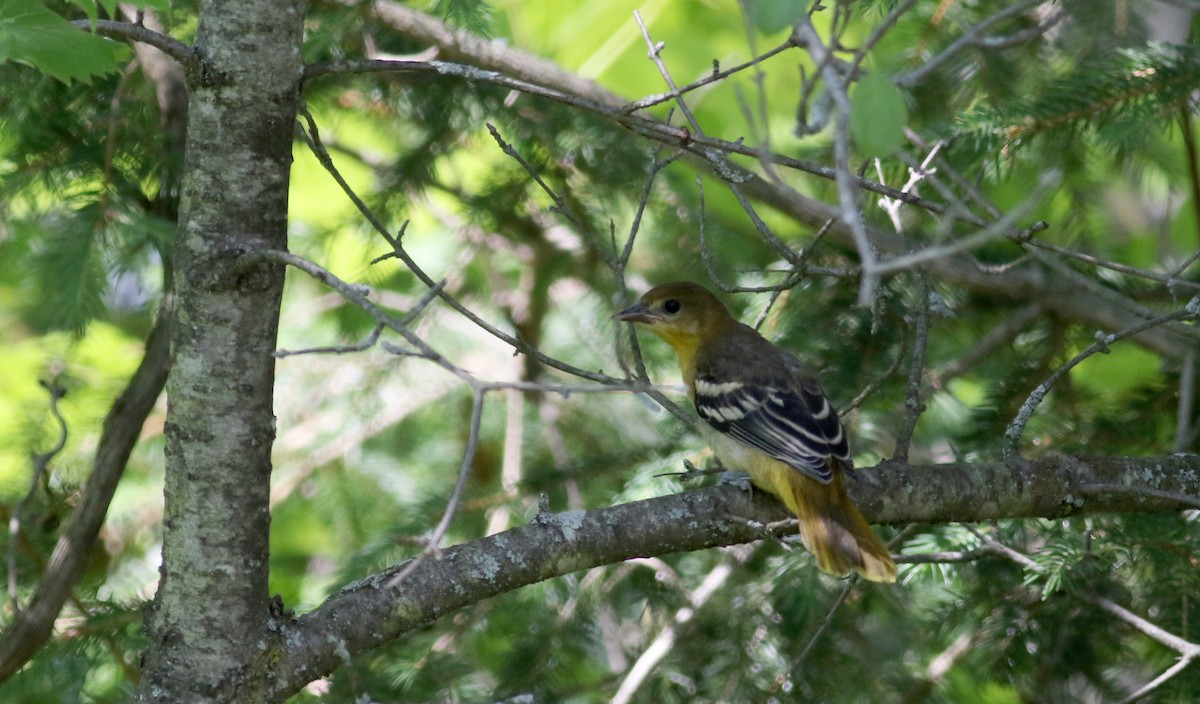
(212, 605)
(213, 633)
(378, 609)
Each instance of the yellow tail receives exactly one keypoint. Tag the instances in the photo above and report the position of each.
(833, 530)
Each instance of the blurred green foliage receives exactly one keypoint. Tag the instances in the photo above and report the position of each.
(369, 442)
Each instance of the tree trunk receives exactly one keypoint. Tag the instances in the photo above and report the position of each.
(211, 612)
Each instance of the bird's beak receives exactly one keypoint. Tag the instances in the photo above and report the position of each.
(636, 313)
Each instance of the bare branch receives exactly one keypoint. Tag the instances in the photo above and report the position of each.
(1002, 334)
(464, 471)
(41, 462)
(913, 405)
(714, 77)
(1001, 227)
(1171, 279)
(314, 141)
(851, 582)
(709, 150)
(1160, 680)
(1188, 650)
(130, 32)
(1012, 435)
(806, 35)
(655, 55)
(661, 646)
(1187, 402)
(1017, 282)
(928, 558)
(973, 36)
(366, 613)
(365, 344)
(31, 627)
(935, 673)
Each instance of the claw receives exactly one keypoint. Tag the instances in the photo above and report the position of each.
(691, 471)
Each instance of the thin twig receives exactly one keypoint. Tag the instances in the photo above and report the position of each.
(1159, 681)
(1187, 401)
(1188, 650)
(875, 384)
(851, 582)
(41, 462)
(913, 406)
(710, 149)
(971, 37)
(665, 640)
(619, 264)
(30, 628)
(365, 344)
(1172, 280)
(358, 295)
(793, 278)
(314, 141)
(1001, 227)
(1001, 334)
(763, 228)
(1183, 266)
(806, 35)
(560, 206)
(916, 174)
(1071, 277)
(656, 167)
(877, 34)
(655, 56)
(926, 558)
(1000, 548)
(433, 545)
(715, 76)
(1140, 491)
(764, 142)
(1012, 434)
(719, 160)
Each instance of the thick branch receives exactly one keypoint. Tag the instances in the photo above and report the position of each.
(373, 611)
(131, 32)
(461, 45)
(30, 629)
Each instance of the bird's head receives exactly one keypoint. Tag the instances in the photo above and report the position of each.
(682, 313)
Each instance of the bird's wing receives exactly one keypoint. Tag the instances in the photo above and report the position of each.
(785, 415)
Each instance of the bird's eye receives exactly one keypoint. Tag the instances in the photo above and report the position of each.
(671, 305)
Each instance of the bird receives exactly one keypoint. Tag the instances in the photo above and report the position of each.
(764, 413)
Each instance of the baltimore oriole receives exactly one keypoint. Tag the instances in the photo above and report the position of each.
(764, 413)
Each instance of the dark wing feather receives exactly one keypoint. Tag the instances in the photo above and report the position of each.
(785, 415)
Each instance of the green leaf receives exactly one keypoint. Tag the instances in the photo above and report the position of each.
(88, 7)
(35, 36)
(878, 115)
(110, 6)
(163, 6)
(471, 15)
(770, 16)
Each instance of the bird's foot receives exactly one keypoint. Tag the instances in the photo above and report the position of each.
(691, 471)
(734, 478)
